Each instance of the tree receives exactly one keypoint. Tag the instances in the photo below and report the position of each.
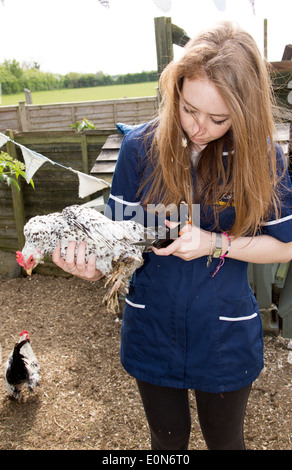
(13, 67)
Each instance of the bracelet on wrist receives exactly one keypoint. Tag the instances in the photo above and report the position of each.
(209, 259)
(229, 245)
(217, 251)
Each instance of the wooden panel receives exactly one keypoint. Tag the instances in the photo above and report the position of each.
(55, 187)
(113, 141)
(103, 167)
(108, 155)
(9, 118)
(59, 116)
(106, 160)
(103, 114)
(283, 66)
(8, 234)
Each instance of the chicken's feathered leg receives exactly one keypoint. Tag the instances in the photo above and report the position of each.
(126, 267)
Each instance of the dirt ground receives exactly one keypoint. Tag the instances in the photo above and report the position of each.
(86, 399)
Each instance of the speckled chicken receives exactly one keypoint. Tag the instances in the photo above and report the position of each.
(21, 368)
(112, 242)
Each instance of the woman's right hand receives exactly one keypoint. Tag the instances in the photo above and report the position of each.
(192, 243)
(77, 265)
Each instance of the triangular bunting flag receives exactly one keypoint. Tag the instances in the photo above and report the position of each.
(220, 4)
(164, 5)
(3, 139)
(32, 162)
(89, 184)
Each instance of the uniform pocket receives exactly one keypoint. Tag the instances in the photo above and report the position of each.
(145, 335)
(241, 338)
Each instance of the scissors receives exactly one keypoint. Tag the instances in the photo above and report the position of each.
(157, 242)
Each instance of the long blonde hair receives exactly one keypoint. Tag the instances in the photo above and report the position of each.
(230, 59)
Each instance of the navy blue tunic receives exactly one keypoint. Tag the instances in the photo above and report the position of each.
(182, 327)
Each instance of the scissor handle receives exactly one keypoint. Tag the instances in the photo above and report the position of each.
(171, 235)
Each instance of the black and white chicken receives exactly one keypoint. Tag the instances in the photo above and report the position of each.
(21, 368)
(112, 242)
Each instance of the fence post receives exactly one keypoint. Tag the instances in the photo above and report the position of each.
(17, 197)
(84, 153)
(23, 116)
(28, 97)
(164, 45)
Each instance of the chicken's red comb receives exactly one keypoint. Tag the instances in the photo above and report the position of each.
(23, 333)
(19, 258)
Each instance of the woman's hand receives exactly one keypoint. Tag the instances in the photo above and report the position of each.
(77, 267)
(192, 243)
(195, 242)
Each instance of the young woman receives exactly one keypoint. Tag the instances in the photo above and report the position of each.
(191, 320)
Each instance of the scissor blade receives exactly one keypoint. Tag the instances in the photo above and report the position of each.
(144, 243)
(171, 235)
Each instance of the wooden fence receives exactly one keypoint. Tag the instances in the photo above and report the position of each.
(55, 187)
(10, 118)
(59, 116)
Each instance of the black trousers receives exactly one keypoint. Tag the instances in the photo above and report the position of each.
(221, 417)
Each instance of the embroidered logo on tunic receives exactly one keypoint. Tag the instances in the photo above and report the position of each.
(225, 201)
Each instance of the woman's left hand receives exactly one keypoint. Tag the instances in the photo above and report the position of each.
(77, 266)
(192, 243)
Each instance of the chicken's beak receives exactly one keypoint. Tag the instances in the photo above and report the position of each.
(29, 271)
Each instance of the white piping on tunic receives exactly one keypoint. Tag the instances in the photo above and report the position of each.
(249, 317)
(126, 203)
(279, 221)
(134, 305)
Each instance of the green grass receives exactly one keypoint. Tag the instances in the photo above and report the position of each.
(85, 94)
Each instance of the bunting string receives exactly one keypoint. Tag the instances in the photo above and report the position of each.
(33, 161)
(252, 2)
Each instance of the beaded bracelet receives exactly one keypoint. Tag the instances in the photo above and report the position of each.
(229, 245)
(222, 257)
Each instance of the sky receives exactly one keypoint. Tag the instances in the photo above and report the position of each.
(83, 36)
